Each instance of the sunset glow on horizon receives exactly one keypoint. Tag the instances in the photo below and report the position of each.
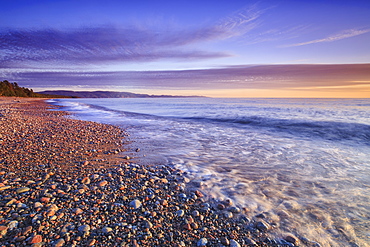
(269, 48)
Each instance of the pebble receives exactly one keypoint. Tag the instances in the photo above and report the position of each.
(235, 210)
(225, 241)
(106, 230)
(22, 190)
(35, 239)
(5, 187)
(3, 231)
(180, 213)
(147, 224)
(135, 204)
(59, 243)
(228, 214)
(262, 226)
(202, 242)
(103, 183)
(86, 180)
(12, 225)
(291, 239)
(84, 228)
(234, 243)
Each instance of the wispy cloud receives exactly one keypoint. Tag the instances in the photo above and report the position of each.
(342, 35)
(96, 45)
(104, 44)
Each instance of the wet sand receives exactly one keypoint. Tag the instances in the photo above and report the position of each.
(65, 182)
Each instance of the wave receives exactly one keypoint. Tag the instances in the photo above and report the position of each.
(330, 130)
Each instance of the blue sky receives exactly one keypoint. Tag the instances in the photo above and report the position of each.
(151, 46)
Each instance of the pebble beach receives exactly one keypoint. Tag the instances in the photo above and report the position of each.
(65, 182)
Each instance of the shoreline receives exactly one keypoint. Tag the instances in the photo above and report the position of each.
(64, 182)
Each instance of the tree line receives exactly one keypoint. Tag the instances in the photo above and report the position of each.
(14, 90)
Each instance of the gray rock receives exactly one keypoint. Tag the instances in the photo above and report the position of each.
(106, 230)
(228, 214)
(180, 213)
(262, 226)
(235, 210)
(135, 204)
(147, 224)
(234, 243)
(202, 242)
(84, 228)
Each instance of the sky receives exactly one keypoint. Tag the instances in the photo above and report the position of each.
(223, 48)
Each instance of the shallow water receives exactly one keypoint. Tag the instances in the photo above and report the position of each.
(304, 161)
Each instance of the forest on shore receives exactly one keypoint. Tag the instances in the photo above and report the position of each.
(9, 89)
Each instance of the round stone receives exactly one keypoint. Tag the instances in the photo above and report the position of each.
(202, 242)
(233, 243)
(135, 204)
(106, 230)
(180, 213)
(59, 243)
(84, 228)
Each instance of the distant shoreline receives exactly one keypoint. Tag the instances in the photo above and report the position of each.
(109, 94)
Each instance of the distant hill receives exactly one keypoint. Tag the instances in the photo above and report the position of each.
(106, 94)
(9, 89)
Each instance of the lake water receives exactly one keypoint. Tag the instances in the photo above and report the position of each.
(304, 161)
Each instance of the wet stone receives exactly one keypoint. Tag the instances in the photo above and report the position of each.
(262, 226)
(291, 239)
(235, 210)
(228, 214)
(202, 242)
(234, 243)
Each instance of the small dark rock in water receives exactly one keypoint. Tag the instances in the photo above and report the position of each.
(261, 216)
(262, 226)
(234, 243)
(250, 242)
(244, 219)
(235, 210)
(291, 239)
(228, 202)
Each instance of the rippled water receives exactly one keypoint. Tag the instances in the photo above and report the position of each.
(304, 161)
